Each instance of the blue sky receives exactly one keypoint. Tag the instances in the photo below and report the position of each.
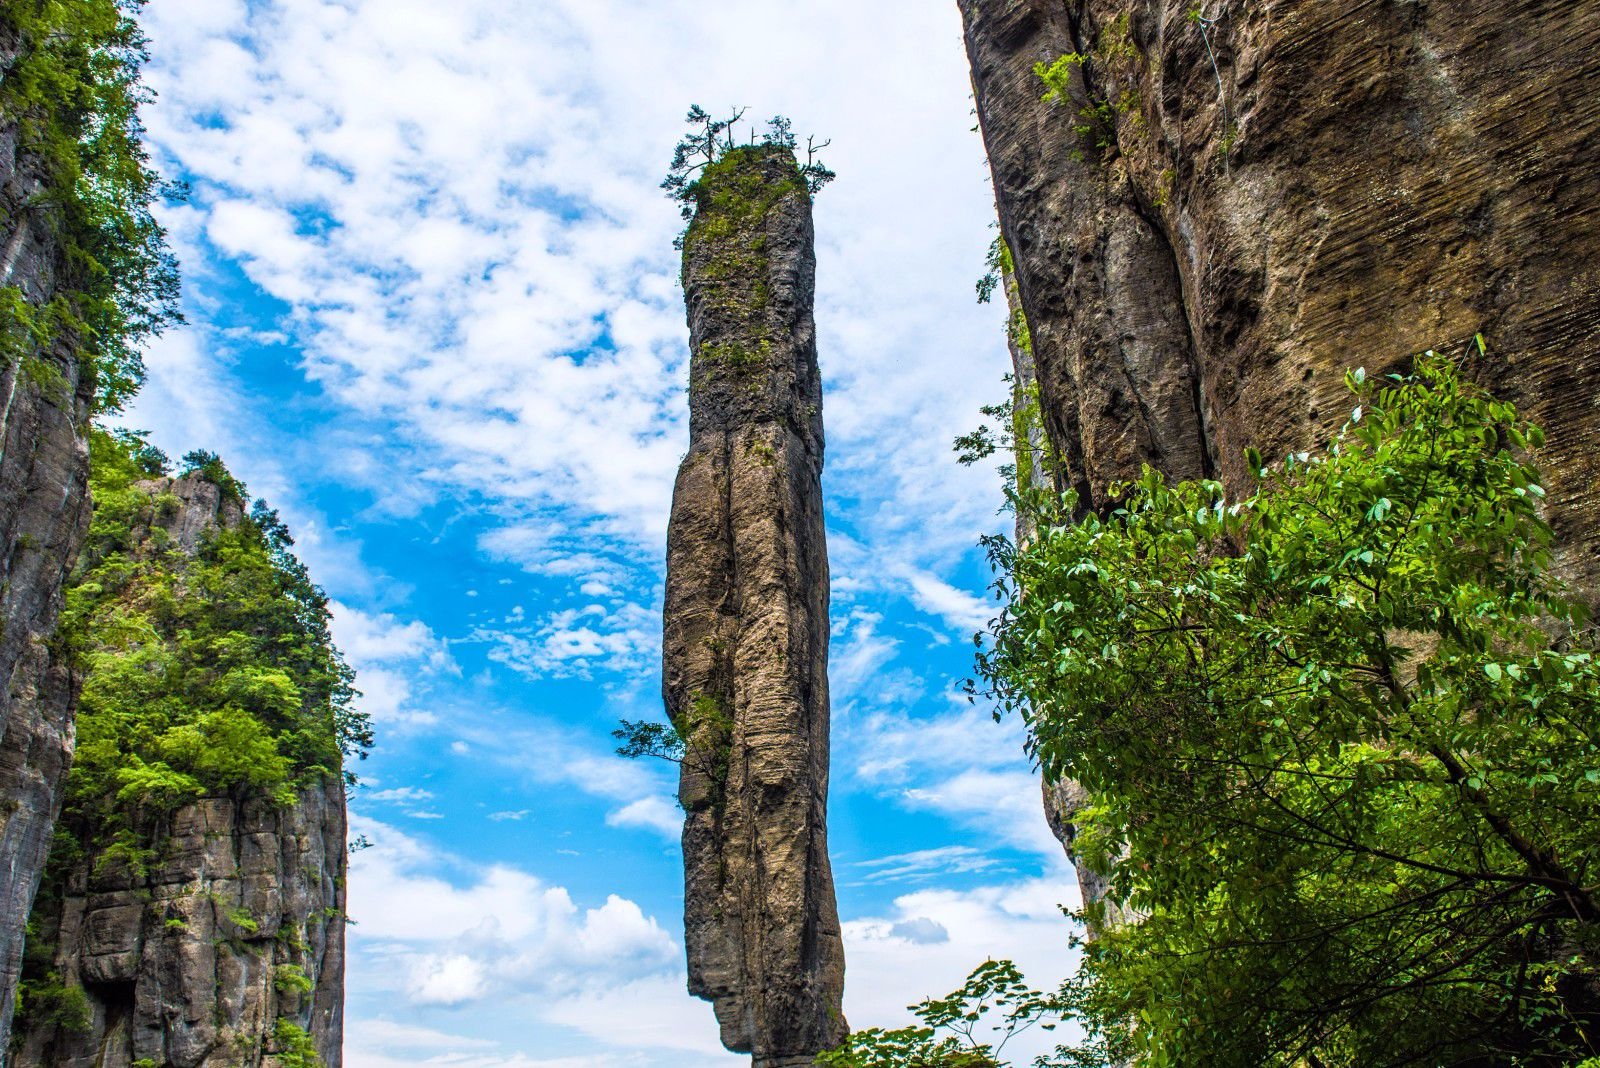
(434, 318)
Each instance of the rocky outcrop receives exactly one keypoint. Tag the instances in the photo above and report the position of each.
(221, 947)
(44, 512)
(198, 963)
(746, 635)
(1233, 203)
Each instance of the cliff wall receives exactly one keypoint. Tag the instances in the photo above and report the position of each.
(746, 637)
(1229, 204)
(196, 962)
(192, 914)
(44, 513)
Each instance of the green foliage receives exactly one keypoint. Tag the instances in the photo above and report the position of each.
(292, 979)
(639, 738)
(1097, 116)
(969, 1028)
(52, 1003)
(1339, 744)
(710, 139)
(738, 356)
(241, 919)
(203, 673)
(700, 739)
(1013, 428)
(72, 93)
(209, 466)
(1002, 270)
(293, 1046)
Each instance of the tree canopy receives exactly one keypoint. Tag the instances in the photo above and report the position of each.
(204, 671)
(1341, 745)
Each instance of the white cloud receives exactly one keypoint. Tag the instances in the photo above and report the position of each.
(446, 979)
(397, 795)
(648, 1014)
(384, 1043)
(622, 638)
(518, 815)
(391, 657)
(900, 957)
(651, 813)
(925, 864)
(501, 932)
(1006, 803)
(960, 610)
(383, 638)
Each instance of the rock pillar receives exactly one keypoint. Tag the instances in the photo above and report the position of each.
(746, 623)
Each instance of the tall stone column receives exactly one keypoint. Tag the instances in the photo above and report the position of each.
(746, 626)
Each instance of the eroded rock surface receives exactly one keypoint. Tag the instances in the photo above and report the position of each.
(194, 964)
(44, 513)
(1236, 202)
(746, 637)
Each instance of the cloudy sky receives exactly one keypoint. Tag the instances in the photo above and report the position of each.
(434, 318)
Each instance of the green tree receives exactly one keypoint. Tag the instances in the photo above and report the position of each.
(203, 671)
(969, 1028)
(710, 140)
(1341, 744)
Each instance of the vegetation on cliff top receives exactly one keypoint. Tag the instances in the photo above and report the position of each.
(712, 150)
(202, 672)
(1339, 744)
(70, 92)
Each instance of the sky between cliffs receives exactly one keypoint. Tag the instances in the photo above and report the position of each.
(434, 317)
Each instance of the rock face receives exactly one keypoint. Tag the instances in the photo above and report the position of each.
(1234, 203)
(229, 943)
(746, 635)
(194, 964)
(44, 512)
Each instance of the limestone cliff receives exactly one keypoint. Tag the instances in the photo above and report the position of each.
(1231, 203)
(43, 515)
(746, 637)
(198, 962)
(193, 918)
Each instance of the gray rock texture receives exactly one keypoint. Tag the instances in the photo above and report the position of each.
(44, 514)
(1236, 202)
(194, 962)
(746, 622)
(190, 965)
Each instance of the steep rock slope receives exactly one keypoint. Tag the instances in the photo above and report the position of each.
(746, 639)
(44, 512)
(192, 915)
(1227, 205)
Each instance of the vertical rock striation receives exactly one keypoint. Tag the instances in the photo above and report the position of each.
(746, 621)
(194, 963)
(1232, 203)
(223, 948)
(44, 512)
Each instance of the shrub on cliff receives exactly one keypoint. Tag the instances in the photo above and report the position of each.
(70, 90)
(1341, 741)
